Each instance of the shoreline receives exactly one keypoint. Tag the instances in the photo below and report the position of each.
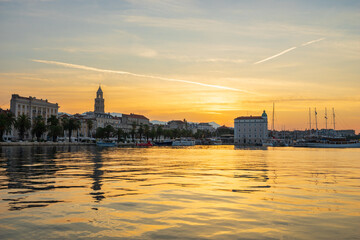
(43, 143)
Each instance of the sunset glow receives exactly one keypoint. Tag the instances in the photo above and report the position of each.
(199, 60)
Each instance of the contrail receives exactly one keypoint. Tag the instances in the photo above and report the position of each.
(314, 41)
(134, 74)
(288, 50)
(276, 55)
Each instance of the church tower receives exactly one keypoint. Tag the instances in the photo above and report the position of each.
(99, 102)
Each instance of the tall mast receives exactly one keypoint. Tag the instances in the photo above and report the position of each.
(310, 119)
(273, 117)
(326, 118)
(334, 117)
(316, 120)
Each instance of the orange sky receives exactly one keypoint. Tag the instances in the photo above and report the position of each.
(202, 62)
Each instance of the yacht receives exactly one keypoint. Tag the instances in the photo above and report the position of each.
(183, 142)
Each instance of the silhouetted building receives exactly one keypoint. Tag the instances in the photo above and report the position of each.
(99, 102)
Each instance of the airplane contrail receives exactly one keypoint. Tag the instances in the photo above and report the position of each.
(314, 41)
(276, 55)
(134, 74)
(288, 50)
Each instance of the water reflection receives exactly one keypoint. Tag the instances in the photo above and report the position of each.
(200, 192)
(97, 174)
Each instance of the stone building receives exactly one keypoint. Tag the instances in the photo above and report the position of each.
(251, 130)
(99, 106)
(32, 107)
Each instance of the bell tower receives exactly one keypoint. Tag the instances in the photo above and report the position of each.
(99, 102)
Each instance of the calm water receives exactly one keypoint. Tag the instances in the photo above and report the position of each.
(179, 193)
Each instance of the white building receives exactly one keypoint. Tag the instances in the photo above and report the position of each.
(251, 130)
(32, 107)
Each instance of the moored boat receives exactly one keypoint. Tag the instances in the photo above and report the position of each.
(183, 142)
(327, 142)
(105, 144)
(164, 143)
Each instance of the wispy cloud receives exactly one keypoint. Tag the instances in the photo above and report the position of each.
(69, 65)
(288, 50)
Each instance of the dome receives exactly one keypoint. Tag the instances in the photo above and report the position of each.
(264, 115)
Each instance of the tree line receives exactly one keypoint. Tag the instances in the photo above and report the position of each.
(53, 126)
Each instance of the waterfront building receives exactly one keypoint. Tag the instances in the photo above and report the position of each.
(176, 124)
(32, 107)
(251, 130)
(205, 127)
(131, 118)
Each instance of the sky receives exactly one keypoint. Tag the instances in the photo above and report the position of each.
(199, 60)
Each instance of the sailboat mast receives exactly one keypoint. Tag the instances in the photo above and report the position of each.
(326, 118)
(273, 117)
(310, 119)
(333, 117)
(316, 120)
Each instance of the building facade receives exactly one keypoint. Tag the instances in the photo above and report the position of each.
(251, 130)
(32, 107)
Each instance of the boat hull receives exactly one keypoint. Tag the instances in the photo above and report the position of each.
(329, 145)
(105, 144)
(184, 143)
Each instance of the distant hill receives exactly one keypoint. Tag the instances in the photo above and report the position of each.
(214, 125)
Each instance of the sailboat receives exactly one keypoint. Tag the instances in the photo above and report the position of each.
(317, 141)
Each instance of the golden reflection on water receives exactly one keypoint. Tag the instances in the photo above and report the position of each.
(197, 192)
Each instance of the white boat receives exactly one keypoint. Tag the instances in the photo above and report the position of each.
(106, 144)
(183, 142)
(327, 142)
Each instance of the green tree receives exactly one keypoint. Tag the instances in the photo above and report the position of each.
(108, 131)
(22, 124)
(70, 124)
(159, 132)
(140, 131)
(147, 132)
(120, 134)
(39, 127)
(54, 127)
(152, 133)
(100, 132)
(6, 121)
(89, 124)
(133, 131)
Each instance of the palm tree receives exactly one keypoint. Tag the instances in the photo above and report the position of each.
(133, 131)
(108, 131)
(120, 134)
(140, 131)
(6, 121)
(159, 131)
(39, 127)
(89, 124)
(147, 132)
(153, 133)
(71, 124)
(54, 127)
(22, 124)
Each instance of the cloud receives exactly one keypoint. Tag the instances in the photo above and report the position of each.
(288, 50)
(69, 65)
